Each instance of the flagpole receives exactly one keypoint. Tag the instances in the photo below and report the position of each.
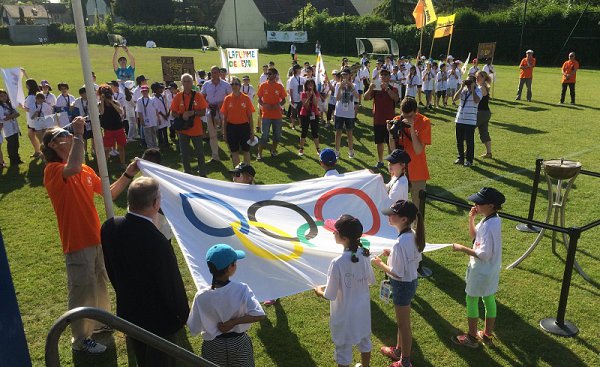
(421, 41)
(431, 49)
(93, 108)
(450, 42)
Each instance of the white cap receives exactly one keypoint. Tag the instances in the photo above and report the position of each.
(423, 58)
(529, 51)
(450, 57)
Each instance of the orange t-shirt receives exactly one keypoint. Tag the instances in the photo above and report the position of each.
(235, 109)
(180, 104)
(417, 168)
(271, 93)
(570, 67)
(73, 202)
(527, 73)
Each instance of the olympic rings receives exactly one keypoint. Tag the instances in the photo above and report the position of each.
(260, 204)
(261, 252)
(215, 232)
(349, 190)
(302, 231)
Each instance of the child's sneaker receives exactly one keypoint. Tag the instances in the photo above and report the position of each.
(351, 153)
(465, 340)
(259, 157)
(485, 339)
(399, 364)
(337, 154)
(90, 346)
(392, 353)
(301, 152)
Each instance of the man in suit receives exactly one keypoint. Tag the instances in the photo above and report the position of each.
(142, 267)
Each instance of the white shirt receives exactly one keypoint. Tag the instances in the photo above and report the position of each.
(491, 71)
(363, 73)
(64, 103)
(249, 90)
(473, 70)
(398, 188)
(292, 49)
(161, 106)
(331, 172)
(130, 110)
(145, 107)
(348, 290)
(212, 306)
(441, 81)
(296, 84)
(404, 258)
(358, 84)
(428, 79)
(9, 127)
(454, 78)
(262, 79)
(332, 92)
(82, 107)
(45, 109)
(344, 107)
(50, 98)
(483, 271)
(467, 109)
(411, 85)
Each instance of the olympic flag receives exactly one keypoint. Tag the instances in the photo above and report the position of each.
(284, 229)
(14, 87)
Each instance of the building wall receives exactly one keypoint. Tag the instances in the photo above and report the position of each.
(250, 22)
(27, 34)
(364, 7)
(92, 6)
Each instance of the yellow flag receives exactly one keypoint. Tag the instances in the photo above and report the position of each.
(424, 13)
(445, 26)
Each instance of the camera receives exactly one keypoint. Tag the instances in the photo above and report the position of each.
(397, 125)
(468, 82)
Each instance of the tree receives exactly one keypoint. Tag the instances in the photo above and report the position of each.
(146, 11)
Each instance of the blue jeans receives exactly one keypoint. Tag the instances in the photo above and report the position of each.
(403, 292)
(184, 147)
(266, 126)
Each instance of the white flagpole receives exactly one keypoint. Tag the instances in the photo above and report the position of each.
(93, 108)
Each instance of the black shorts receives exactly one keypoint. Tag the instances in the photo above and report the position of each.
(237, 137)
(441, 93)
(295, 112)
(382, 135)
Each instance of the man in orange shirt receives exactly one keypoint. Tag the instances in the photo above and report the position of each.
(411, 132)
(180, 107)
(271, 98)
(71, 186)
(569, 75)
(238, 126)
(526, 74)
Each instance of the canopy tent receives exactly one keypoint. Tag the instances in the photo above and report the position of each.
(377, 46)
(208, 42)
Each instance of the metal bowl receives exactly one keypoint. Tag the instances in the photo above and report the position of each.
(561, 169)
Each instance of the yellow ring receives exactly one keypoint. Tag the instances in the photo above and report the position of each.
(261, 252)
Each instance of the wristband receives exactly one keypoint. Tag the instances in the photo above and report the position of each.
(128, 175)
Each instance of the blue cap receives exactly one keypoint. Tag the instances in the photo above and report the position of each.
(221, 255)
(327, 156)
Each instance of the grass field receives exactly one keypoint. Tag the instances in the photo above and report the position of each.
(296, 332)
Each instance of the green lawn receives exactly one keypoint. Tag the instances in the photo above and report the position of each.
(296, 332)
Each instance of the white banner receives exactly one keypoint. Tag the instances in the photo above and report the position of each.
(280, 227)
(13, 80)
(292, 36)
(242, 61)
(320, 72)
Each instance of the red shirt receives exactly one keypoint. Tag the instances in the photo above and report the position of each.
(312, 107)
(527, 73)
(384, 107)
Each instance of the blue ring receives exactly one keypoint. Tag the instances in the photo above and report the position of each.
(212, 231)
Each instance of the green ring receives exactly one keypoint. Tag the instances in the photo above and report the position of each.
(301, 234)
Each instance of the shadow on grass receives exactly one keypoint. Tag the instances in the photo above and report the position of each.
(529, 344)
(533, 109)
(281, 344)
(11, 180)
(440, 191)
(559, 280)
(35, 172)
(520, 129)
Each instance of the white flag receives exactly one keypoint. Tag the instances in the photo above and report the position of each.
(223, 58)
(13, 80)
(284, 229)
(466, 64)
(320, 72)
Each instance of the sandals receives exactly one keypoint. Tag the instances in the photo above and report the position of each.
(392, 353)
(465, 340)
(485, 339)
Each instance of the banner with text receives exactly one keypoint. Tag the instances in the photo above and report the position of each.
(285, 229)
(13, 80)
(173, 67)
(292, 36)
(444, 26)
(486, 50)
(242, 61)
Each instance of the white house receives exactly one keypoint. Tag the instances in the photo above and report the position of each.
(24, 15)
(252, 17)
(96, 8)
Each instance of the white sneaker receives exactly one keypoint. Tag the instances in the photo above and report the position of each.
(351, 154)
(337, 154)
(90, 346)
(114, 153)
(358, 365)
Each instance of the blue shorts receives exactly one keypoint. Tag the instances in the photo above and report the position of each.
(344, 123)
(403, 292)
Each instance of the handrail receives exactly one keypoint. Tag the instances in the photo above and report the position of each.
(117, 323)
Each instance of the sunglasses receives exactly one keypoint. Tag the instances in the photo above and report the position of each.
(60, 134)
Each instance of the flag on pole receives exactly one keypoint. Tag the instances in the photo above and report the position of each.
(466, 64)
(13, 80)
(285, 229)
(444, 26)
(224, 63)
(320, 72)
(424, 13)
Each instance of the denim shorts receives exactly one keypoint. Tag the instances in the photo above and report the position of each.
(344, 123)
(266, 127)
(403, 292)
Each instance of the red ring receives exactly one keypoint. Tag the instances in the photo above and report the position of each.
(351, 191)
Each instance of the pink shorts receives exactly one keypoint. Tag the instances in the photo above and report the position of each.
(112, 136)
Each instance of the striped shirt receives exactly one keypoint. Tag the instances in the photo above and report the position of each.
(467, 109)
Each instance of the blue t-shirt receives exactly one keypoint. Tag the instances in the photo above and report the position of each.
(124, 74)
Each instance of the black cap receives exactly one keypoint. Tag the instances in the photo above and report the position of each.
(380, 61)
(346, 71)
(140, 79)
(156, 85)
(172, 85)
(398, 156)
(487, 195)
(403, 208)
(113, 82)
(384, 71)
(244, 168)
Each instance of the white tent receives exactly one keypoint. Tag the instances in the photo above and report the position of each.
(377, 46)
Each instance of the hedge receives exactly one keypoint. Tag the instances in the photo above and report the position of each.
(545, 32)
(165, 36)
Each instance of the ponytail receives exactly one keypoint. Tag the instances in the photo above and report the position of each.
(354, 246)
(215, 273)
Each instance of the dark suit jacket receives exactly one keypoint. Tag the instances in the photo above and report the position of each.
(143, 269)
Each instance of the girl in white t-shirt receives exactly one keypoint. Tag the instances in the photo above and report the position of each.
(41, 115)
(442, 86)
(223, 312)
(412, 80)
(32, 89)
(428, 84)
(348, 281)
(9, 130)
(402, 263)
(485, 263)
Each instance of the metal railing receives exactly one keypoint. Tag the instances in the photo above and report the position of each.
(117, 323)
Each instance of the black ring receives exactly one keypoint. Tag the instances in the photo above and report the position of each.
(313, 230)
